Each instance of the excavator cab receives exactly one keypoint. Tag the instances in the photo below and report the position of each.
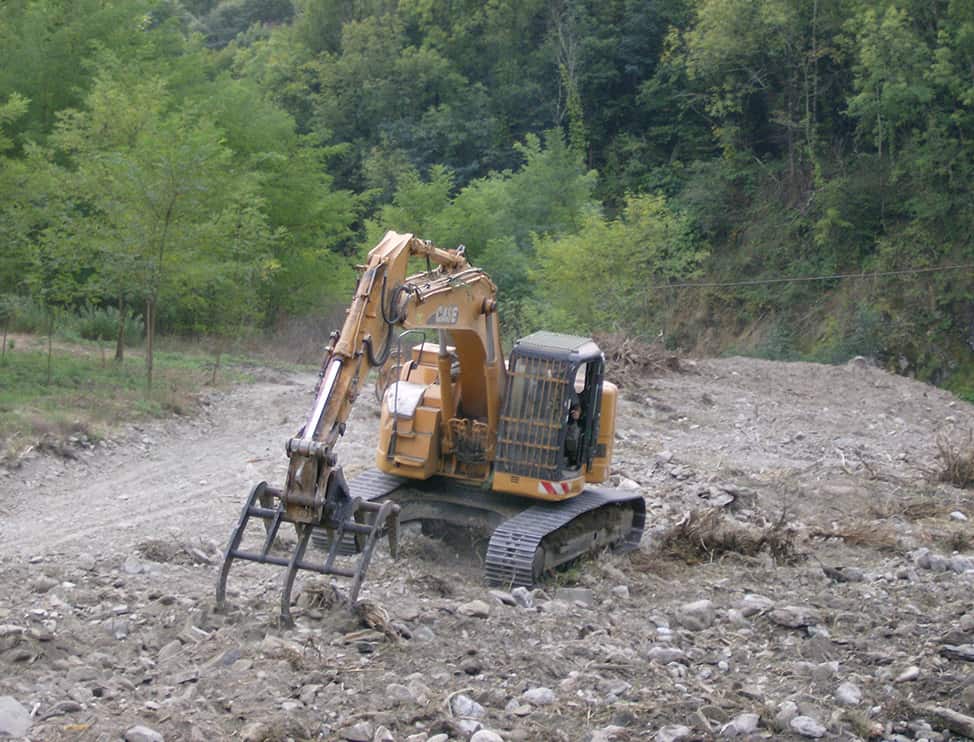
(550, 439)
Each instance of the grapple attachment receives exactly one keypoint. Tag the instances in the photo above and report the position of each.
(358, 525)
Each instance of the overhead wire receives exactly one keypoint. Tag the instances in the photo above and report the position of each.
(799, 279)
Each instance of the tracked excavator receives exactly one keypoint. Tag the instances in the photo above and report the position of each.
(465, 438)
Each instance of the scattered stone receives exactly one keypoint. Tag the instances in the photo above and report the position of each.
(486, 735)
(908, 675)
(575, 595)
(621, 592)
(143, 734)
(133, 566)
(523, 597)
(673, 733)
(361, 732)
(696, 616)
(964, 652)
(399, 694)
(503, 597)
(787, 711)
(15, 720)
(539, 696)
(741, 725)
(465, 707)
(382, 734)
(795, 617)
(848, 694)
(43, 583)
(806, 726)
(256, 731)
(666, 655)
(752, 604)
(474, 609)
(958, 516)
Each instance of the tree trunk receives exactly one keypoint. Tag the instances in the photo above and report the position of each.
(216, 363)
(150, 335)
(50, 345)
(3, 348)
(120, 338)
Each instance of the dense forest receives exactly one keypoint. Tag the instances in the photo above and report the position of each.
(783, 177)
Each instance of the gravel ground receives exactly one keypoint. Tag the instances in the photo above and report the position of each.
(803, 575)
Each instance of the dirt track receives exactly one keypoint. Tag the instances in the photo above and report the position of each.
(109, 563)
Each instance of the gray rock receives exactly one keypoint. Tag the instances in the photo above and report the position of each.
(474, 609)
(908, 675)
(958, 516)
(486, 735)
(806, 726)
(423, 633)
(963, 652)
(469, 726)
(575, 595)
(382, 734)
(143, 734)
(539, 696)
(398, 694)
(787, 711)
(467, 708)
(43, 584)
(170, 650)
(503, 597)
(621, 592)
(753, 603)
(741, 725)
(961, 564)
(696, 616)
(14, 718)
(439, 738)
(848, 694)
(133, 566)
(795, 616)
(666, 655)
(673, 733)
(523, 597)
(611, 733)
(361, 732)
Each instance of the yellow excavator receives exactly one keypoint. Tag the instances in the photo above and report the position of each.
(464, 438)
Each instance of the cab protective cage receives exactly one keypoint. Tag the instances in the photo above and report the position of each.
(539, 393)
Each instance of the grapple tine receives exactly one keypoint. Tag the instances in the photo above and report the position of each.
(235, 539)
(304, 535)
(386, 511)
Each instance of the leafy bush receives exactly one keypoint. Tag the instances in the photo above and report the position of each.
(777, 345)
(101, 323)
(27, 316)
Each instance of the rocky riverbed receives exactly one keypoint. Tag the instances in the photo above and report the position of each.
(804, 575)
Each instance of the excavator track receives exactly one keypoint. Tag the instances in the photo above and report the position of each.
(513, 551)
(522, 544)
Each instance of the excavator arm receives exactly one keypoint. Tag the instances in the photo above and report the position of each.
(450, 298)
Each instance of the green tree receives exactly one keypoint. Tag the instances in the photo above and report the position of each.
(154, 178)
(598, 277)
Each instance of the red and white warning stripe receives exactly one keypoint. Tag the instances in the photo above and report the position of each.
(553, 488)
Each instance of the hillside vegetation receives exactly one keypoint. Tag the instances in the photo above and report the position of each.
(211, 168)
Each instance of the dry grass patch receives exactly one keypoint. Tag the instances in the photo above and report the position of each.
(871, 535)
(706, 535)
(913, 507)
(956, 461)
